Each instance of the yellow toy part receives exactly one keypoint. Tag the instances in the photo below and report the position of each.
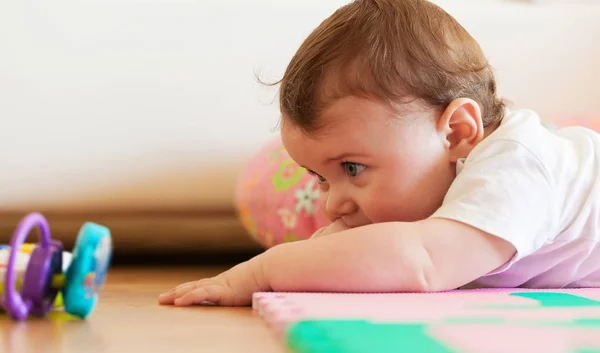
(22, 260)
(28, 248)
(58, 302)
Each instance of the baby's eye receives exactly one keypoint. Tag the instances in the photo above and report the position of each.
(321, 179)
(353, 169)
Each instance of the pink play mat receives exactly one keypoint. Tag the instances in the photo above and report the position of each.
(469, 321)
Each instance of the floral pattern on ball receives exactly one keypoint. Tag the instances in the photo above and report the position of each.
(276, 199)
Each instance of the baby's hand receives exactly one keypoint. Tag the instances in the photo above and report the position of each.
(231, 288)
(336, 226)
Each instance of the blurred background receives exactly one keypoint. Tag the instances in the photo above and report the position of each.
(141, 114)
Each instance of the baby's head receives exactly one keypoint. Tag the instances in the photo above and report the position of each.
(380, 101)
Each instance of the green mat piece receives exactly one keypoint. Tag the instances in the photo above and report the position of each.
(587, 350)
(555, 300)
(338, 336)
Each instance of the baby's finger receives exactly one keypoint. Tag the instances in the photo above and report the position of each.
(174, 289)
(185, 288)
(170, 296)
(166, 298)
(318, 233)
(215, 294)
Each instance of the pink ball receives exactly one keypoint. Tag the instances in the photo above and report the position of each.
(277, 200)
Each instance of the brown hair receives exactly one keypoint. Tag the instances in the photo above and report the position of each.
(389, 50)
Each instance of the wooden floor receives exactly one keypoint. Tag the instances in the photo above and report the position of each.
(128, 318)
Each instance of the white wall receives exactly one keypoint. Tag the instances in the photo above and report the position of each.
(546, 52)
(154, 103)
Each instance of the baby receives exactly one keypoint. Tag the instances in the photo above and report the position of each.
(430, 182)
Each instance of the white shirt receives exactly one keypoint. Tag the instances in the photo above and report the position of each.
(540, 191)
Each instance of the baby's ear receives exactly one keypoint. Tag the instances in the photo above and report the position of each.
(462, 127)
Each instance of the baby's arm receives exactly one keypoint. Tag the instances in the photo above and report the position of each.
(429, 255)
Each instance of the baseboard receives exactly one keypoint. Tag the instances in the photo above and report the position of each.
(149, 233)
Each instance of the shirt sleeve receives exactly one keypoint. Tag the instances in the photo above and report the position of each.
(506, 191)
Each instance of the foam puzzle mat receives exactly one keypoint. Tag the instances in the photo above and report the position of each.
(462, 321)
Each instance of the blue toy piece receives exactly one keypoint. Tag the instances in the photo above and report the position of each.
(86, 274)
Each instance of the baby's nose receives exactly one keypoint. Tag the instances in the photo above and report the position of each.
(338, 205)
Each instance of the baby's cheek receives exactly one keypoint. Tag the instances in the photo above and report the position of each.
(385, 204)
(322, 201)
(377, 207)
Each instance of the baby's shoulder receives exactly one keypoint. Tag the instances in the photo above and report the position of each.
(520, 136)
(523, 148)
(523, 135)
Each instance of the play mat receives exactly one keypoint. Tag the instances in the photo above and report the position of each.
(462, 321)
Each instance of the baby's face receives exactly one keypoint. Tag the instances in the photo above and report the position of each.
(373, 165)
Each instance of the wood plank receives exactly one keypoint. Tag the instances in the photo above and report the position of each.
(128, 319)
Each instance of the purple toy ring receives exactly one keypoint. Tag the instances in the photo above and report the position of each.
(43, 263)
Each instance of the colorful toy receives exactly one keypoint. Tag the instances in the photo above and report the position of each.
(276, 199)
(39, 271)
(22, 260)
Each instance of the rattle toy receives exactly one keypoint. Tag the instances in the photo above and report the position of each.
(45, 275)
